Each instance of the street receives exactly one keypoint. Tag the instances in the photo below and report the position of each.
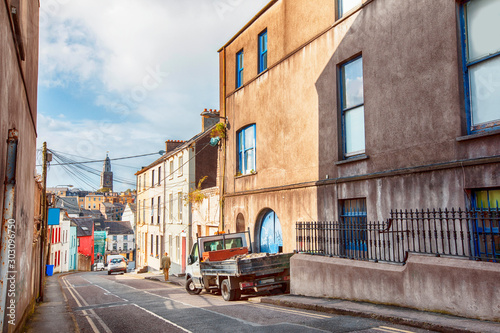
(128, 303)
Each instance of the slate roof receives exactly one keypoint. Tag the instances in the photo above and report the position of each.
(84, 226)
(185, 145)
(118, 228)
(70, 204)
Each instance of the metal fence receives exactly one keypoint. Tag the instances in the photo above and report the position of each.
(472, 234)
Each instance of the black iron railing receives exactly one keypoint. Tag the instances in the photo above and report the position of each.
(472, 234)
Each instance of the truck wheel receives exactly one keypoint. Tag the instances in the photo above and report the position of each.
(227, 293)
(190, 288)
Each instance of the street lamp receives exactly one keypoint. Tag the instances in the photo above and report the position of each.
(64, 185)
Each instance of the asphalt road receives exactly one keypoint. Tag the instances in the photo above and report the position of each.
(127, 303)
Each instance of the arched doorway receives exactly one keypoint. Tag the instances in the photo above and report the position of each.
(271, 238)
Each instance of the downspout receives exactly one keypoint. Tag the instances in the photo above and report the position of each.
(222, 187)
(8, 232)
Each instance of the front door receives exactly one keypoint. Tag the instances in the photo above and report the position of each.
(271, 238)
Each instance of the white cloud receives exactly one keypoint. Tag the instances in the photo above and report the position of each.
(152, 65)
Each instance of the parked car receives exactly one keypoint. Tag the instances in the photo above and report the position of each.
(117, 265)
(99, 266)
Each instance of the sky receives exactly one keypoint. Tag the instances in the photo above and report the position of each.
(123, 76)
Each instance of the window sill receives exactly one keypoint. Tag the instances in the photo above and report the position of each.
(352, 159)
(478, 135)
(245, 175)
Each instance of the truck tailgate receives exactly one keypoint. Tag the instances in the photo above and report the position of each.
(258, 264)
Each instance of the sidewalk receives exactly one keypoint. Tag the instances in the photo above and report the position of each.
(52, 315)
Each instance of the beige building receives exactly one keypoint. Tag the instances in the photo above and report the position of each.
(164, 215)
(348, 110)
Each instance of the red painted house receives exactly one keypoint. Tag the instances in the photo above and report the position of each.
(85, 237)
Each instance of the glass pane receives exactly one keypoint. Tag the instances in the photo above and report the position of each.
(485, 91)
(347, 5)
(355, 130)
(352, 79)
(483, 25)
(249, 160)
(249, 137)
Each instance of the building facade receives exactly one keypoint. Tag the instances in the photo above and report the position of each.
(163, 215)
(366, 107)
(18, 133)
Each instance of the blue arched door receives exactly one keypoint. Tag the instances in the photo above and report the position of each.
(271, 239)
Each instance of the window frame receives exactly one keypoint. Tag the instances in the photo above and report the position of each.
(482, 127)
(239, 68)
(341, 90)
(179, 207)
(262, 41)
(180, 160)
(152, 178)
(340, 5)
(171, 165)
(242, 169)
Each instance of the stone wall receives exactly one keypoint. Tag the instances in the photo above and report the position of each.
(459, 287)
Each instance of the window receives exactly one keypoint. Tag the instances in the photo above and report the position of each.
(158, 209)
(171, 169)
(353, 226)
(352, 108)
(125, 247)
(239, 69)
(481, 53)
(486, 223)
(152, 178)
(180, 166)
(346, 5)
(125, 237)
(115, 238)
(263, 51)
(157, 243)
(178, 247)
(152, 209)
(171, 207)
(152, 240)
(139, 183)
(246, 150)
(144, 210)
(159, 175)
(179, 200)
(170, 244)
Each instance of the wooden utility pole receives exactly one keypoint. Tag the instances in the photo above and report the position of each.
(43, 234)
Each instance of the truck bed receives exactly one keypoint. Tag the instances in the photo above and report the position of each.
(250, 264)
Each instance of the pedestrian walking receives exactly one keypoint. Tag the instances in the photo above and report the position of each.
(165, 265)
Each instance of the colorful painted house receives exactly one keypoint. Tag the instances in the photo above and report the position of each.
(85, 242)
(73, 247)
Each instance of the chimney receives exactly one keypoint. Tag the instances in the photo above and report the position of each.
(209, 118)
(172, 144)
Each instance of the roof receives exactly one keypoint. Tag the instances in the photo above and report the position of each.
(70, 204)
(84, 225)
(132, 207)
(118, 228)
(177, 149)
(259, 14)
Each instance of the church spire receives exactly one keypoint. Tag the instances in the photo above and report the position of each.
(107, 174)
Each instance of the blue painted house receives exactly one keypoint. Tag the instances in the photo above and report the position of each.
(73, 248)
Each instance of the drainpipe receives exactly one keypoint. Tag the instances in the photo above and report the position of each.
(8, 231)
(224, 116)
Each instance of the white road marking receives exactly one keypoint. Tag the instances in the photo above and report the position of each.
(160, 317)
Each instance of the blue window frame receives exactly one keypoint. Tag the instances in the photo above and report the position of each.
(246, 150)
(343, 6)
(485, 224)
(263, 51)
(239, 69)
(481, 63)
(352, 108)
(354, 227)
